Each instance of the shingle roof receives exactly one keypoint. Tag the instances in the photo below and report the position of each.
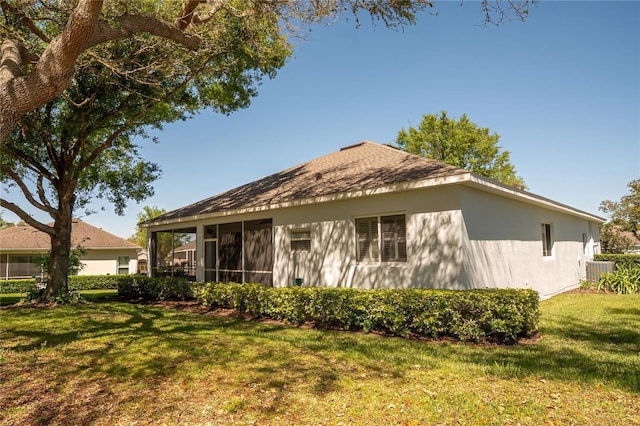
(365, 165)
(83, 234)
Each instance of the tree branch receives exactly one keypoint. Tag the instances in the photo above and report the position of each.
(25, 20)
(29, 162)
(25, 216)
(188, 9)
(53, 72)
(11, 60)
(136, 23)
(42, 195)
(25, 191)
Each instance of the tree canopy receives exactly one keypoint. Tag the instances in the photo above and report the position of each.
(43, 41)
(460, 143)
(147, 213)
(624, 218)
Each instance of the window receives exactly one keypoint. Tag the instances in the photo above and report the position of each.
(381, 239)
(394, 239)
(123, 265)
(300, 240)
(547, 241)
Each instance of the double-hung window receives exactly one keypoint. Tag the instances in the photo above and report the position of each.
(381, 239)
(123, 265)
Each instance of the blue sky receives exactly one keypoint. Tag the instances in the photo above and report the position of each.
(561, 89)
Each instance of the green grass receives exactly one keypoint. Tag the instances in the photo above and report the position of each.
(115, 363)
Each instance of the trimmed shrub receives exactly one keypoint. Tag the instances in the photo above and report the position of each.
(621, 260)
(154, 288)
(502, 315)
(76, 282)
(93, 282)
(17, 286)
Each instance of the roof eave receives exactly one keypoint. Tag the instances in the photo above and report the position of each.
(339, 196)
(492, 186)
(465, 178)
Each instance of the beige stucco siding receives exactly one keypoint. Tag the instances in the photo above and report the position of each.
(503, 244)
(458, 237)
(434, 243)
(105, 262)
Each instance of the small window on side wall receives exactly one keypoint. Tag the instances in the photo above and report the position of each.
(300, 240)
(123, 265)
(547, 240)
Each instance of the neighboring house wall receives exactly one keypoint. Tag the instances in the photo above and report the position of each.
(109, 262)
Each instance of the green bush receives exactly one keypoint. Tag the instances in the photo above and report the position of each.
(624, 280)
(502, 315)
(93, 282)
(17, 286)
(76, 282)
(621, 260)
(154, 288)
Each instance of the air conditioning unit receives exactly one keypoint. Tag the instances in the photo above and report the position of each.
(595, 269)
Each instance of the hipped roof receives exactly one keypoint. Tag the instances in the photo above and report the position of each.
(357, 170)
(82, 234)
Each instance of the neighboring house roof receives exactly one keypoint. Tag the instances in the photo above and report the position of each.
(631, 236)
(27, 238)
(186, 247)
(366, 168)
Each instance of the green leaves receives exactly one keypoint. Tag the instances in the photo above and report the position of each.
(502, 315)
(460, 143)
(620, 234)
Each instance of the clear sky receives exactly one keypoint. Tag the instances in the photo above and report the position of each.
(561, 89)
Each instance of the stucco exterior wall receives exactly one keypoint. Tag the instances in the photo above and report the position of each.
(105, 262)
(503, 244)
(434, 242)
(458, 237)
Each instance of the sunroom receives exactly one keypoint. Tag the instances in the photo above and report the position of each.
(233, 252)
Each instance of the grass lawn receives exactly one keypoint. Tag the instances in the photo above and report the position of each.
(114, 363)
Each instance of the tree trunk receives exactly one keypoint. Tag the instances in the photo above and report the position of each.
(58, 273)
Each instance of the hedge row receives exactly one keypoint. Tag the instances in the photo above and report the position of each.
(624, 260)
(76, 282)
(142, 287)
(502, 315)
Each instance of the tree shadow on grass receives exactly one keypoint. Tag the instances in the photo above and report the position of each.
(95, 342)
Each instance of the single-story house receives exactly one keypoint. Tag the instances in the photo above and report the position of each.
(20, 246)
(373, 216)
